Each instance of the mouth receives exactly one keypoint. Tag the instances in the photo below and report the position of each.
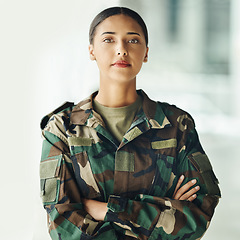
(121, 64)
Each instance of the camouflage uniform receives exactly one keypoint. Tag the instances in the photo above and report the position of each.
(81, 159)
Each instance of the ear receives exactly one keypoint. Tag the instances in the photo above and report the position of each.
(91, 52)
(146, 55)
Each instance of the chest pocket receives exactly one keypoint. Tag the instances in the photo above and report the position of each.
(164, 165)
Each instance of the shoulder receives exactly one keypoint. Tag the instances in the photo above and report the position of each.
(63, 111)
(176, 116)
(165, 113)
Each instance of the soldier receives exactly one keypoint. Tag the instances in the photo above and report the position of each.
(119, 165)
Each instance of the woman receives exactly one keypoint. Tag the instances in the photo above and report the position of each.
(119, 165)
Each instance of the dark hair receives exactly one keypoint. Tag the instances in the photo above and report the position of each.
(116, 11)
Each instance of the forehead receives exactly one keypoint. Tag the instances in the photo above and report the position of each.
(119, 23)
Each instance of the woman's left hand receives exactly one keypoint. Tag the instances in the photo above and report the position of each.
(95, 208)
(184, 193)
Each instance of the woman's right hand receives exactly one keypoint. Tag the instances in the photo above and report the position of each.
(184, 193)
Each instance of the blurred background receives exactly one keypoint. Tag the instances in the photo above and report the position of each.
(194, 63)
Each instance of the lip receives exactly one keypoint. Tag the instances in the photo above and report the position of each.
(121, 64)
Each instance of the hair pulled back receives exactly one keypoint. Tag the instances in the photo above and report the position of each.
(116, 11)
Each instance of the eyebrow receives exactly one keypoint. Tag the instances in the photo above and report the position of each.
(128, 33)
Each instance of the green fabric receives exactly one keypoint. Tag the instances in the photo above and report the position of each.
(164, 144)
(203, 162)
(50, 190)
(80, 141)
(66, 230)
(124, 161)
(135, 132)
(118, 120)
(53, 139)
(54, 214)
(48, 168)
(205, 168)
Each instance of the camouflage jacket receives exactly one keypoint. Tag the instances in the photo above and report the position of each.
(137, 178)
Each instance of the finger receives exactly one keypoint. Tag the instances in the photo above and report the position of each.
(190, 193)
(185, 188)
(180, 180)
(190, 199)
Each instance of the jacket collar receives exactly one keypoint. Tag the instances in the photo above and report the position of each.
(154, 112)
(83, 114)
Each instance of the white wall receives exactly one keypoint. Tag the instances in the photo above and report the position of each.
(235, 55)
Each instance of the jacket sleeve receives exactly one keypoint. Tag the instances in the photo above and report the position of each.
(151, 217)
(61, 197)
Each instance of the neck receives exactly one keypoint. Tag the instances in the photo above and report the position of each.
(117, 95)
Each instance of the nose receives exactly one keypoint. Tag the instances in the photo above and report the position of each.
(121, 50)
(122, 53)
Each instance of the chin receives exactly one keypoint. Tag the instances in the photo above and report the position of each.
(124, 79)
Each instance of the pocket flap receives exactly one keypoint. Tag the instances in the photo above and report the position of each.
(201, 162)
(204, 167)
(48, 168)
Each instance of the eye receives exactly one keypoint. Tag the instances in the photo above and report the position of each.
(134, 41)
(108, 40)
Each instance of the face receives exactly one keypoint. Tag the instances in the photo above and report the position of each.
(119, 48)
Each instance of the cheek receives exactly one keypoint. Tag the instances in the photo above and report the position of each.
(102, 58)
(140, 53)
(104, 53)
(139, 57)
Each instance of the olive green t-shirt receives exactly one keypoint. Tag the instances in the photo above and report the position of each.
(118, 120)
